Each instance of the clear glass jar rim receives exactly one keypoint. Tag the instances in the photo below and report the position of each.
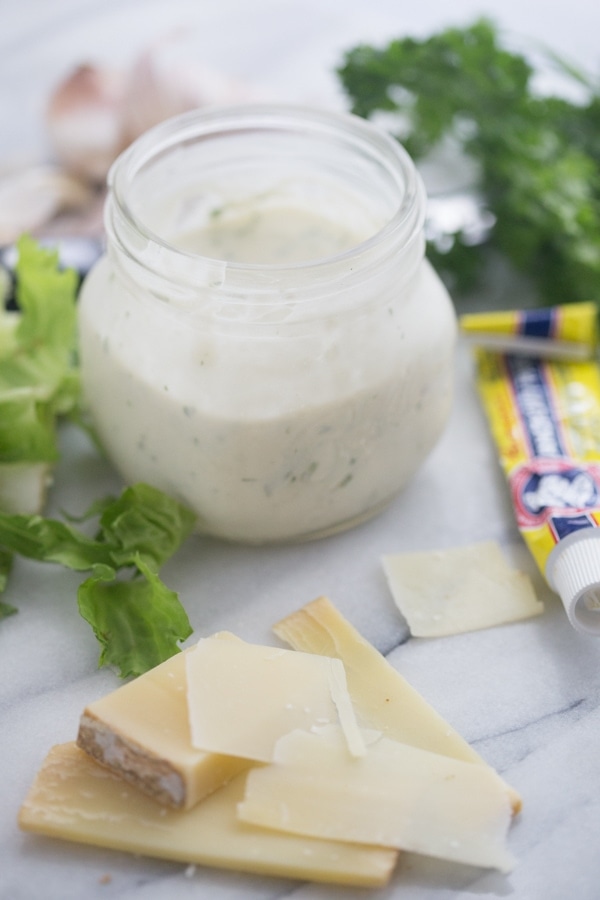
(405, 224)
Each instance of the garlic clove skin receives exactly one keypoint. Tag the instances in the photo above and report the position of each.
(84, 121)
(96, 112)
(32, 197)
(165, 81)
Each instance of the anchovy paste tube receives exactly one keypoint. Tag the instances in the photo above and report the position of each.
(558, 332)
(544, 415)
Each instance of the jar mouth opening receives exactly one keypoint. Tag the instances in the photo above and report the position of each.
(352, 134)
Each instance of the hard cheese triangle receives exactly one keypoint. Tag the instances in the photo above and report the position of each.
(186, 727)
(75, 799)
(141, 732)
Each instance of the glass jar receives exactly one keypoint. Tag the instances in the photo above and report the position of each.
(264, 339)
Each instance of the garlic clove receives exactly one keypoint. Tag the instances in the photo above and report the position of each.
(29, 198)
(165, 81)
(84, 120)
(96, 112)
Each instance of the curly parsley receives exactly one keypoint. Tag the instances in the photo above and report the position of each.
(538, 156)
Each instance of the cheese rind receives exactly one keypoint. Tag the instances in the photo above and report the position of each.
(383, 700)
(395, 796)
(243, 697)
(459, 589)
(75, 799)
(141, 732)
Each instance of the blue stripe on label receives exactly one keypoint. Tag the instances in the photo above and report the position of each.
(534, 402)
(537, 323)
(565, 525)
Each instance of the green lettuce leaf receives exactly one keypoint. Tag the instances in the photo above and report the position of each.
(50, 540)
(145, 524)
(136, 619)
(138, 623)
(39, 379)
(6, 561)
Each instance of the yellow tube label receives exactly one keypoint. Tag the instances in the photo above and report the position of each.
(575, 323)
(545, 419)
(558, 332)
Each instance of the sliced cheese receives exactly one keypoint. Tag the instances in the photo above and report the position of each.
(243, 697)
(460, 589)
(75, 799)
(395, 796)
(141, 732)
(382, 698)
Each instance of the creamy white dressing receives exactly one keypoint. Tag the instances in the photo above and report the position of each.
(263, 339)
(288, 433)
(269, 235)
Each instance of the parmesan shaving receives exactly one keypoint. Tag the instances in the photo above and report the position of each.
(457, 590)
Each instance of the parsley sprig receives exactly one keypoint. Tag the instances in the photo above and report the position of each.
(538, 155)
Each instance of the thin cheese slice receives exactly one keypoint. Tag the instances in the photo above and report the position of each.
(75, 799)
(141, 732)
(243, 697)
(382, 698)
(395, 796)
(460, 589)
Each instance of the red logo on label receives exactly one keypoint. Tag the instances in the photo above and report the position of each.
(549, 487)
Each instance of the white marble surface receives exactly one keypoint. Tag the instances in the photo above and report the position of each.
(526, 695)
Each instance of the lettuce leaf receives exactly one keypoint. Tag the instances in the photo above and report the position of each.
(144, 526)
(136, 619)
(6, 560)
(138, 623)
(39, 378)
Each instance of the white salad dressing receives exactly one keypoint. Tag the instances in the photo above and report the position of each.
(280, 415)
(272, 235)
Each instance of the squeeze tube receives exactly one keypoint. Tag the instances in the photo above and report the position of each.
(544, 415)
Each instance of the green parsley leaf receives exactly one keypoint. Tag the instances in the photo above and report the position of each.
(538, 156)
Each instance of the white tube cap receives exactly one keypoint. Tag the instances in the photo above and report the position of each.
(573, 571)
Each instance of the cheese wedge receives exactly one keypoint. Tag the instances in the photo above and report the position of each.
(382, 698)
(459, 589)
(242, 697)
(183, 729)
(395, 795)
(75, 799)
(141, 732)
